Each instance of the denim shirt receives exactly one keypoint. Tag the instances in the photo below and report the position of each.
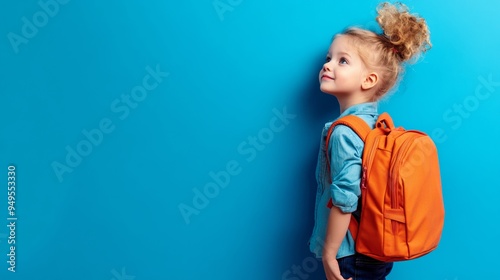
(346, 151)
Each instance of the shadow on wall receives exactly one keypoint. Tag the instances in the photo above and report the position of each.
(316, 108)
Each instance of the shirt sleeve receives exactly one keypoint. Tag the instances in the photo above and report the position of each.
(346, 149)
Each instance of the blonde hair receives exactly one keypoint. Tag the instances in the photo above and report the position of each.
(405, 36)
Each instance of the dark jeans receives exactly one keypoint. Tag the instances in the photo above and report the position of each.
(361, 267)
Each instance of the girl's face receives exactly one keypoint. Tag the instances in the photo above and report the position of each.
(343, 71)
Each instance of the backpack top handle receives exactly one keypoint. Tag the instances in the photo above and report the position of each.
(385, 122)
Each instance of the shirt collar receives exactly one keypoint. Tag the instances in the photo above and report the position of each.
(368, 108)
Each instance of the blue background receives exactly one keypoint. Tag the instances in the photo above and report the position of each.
(116, 215)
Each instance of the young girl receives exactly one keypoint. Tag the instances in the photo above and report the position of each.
(361, 67)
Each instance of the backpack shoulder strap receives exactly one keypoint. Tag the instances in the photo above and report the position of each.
(357, 124)
(361, 128)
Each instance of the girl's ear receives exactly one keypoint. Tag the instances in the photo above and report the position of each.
(370, 81)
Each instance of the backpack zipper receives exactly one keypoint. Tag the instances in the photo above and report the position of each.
(393, 178)
(371, 156)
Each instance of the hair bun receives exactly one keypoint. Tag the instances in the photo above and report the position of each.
(407, 34)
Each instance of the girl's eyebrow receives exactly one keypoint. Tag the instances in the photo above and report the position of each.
(342, 53)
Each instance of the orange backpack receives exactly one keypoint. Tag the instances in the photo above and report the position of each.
(402, 209)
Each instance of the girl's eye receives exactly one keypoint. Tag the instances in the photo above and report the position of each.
(327, 59)
(343, 61)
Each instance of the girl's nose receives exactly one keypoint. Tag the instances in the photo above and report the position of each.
(326, 67)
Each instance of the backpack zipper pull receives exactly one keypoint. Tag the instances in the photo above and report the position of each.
(363, 178)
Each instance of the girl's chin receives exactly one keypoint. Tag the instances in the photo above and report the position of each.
(333, 92)
(328, 91)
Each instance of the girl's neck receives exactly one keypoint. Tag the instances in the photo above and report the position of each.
(349, 101)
